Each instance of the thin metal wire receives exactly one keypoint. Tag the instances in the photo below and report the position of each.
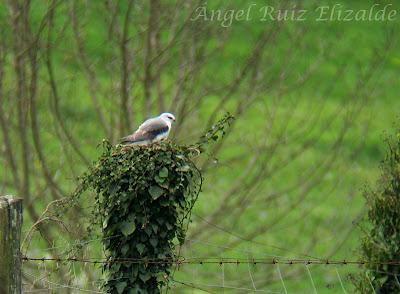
(192, 286)
(251, 276)
(66, 286)
(370, 282)
(312, 281)
(223, 275)
(37, 290)
(194, 269)
(211, 260)
(384, 272)
(281, 278)
(226, 287)
(231, 248)
(397, 281)
(340, 280)
(80, 243)
(248, 240)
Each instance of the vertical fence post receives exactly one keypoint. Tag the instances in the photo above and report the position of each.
(10, 238)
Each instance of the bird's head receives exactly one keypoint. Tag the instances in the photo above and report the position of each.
(168, 116)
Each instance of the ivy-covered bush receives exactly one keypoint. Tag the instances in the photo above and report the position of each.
(381, 243)
(144, 198)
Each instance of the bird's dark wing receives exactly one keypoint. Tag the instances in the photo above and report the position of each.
(148, 131)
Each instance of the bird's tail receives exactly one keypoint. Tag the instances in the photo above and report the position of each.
(126, 140)
(131, 141)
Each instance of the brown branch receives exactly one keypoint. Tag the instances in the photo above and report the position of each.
(10, 157)
(56, 190)
(17, 13)
(125, 108)
(147, 80)
(265, 37)
(89, 74)
(57, 114)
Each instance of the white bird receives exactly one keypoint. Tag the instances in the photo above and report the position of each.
(152, 130)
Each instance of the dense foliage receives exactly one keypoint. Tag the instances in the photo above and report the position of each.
(144, 195)
(381, 243)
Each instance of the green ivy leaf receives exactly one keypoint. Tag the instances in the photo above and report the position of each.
(127, 227)
(153, 242)
(140, 247)
(125, 249)
(105, 222)
(163, 173)
(159, 180)
(148, 230)
(135, 269)
(145, 276)
(155, 192)
(135, 290)
(113, 189)
(115, 267)
(169, 226)
(121, 287)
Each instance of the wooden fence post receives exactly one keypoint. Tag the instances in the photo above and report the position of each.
(10, 238)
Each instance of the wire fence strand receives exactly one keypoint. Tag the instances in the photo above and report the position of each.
(340, 280)
(281, 278)
(59, 286)
(212, 260)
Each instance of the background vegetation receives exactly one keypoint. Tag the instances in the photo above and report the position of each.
(311, 101)
(381, 238)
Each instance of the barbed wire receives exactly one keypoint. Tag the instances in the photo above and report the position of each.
(205, 287)
(212, 260)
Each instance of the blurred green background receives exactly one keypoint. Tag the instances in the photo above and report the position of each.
(312, 100)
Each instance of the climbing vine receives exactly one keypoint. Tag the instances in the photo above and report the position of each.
(143, 199)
